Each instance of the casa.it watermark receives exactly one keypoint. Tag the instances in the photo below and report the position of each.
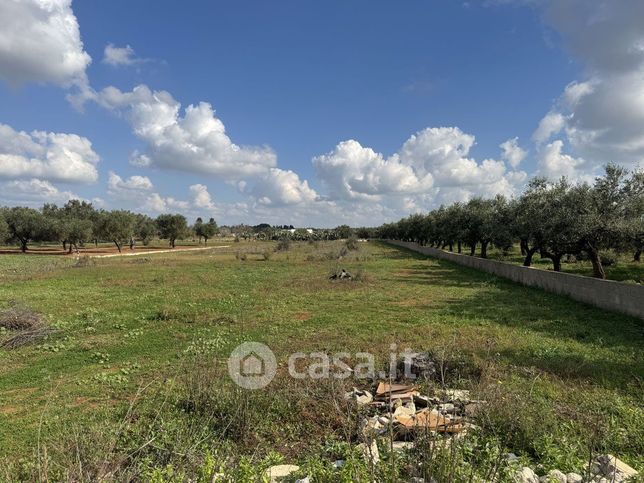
(253, 365)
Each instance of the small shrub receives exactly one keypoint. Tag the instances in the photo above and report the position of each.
(351, 244)
(267, 255)
(237, 239)
(284, 244)
(84, 261)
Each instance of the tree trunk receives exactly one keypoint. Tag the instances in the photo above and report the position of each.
(23, 246)
(64, 245)
(524, 247)
(472, 249)
(205, 240)
(638, 255)
(118, 246)
(460, 248)
(172, 244)
(556, 263)
(484, 249)
(70, 248)
(598, 269)
(528, 256)
(451, 247)
(96, 242)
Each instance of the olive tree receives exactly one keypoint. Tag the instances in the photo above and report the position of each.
(4, 229)
(205, 230)
(145, 228)
(25, 225)
(172, 227)
(116, 226)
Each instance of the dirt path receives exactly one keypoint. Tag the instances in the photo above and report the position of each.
(152, 252)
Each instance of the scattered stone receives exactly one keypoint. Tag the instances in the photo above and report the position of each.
(454, 395)
(304, 480)
(574, 478)
(525, 475)
(400, 446)
(447, 408)
(370, 427)
(370, 452)
(554, 476)
(337, 464)
(614, 469)
(362, 398)
(384, 420)
(511, 457)
(276, 473)
(405, 410)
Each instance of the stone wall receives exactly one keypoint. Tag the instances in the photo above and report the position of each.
(607, 294)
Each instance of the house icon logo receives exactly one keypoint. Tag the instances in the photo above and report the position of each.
(252, 365)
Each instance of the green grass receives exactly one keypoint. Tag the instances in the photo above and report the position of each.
(124, 322)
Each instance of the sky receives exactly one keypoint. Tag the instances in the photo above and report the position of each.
(312, 113)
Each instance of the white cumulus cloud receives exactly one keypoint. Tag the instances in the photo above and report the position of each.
(195, 142)
(282, 187)
(40, 42)
(601, 116)
(512, 152)
(47, 155)
(352, 171)
(116, 56)
(33, 192)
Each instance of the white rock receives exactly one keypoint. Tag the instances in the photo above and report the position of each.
(304, 480)
(370, 452)
(383, 420)
(554, 476)
(574, 478)
(337, 464)
(360, 397)
(525, 475)
(402, 445)
(613, 468)
(446, 408)
(457, 395)
(276, 473)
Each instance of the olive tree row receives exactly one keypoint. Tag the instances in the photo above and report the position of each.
(553, 219)
(78, 222)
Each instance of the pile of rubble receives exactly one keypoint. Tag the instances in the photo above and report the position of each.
(401, 410)
(603, 469)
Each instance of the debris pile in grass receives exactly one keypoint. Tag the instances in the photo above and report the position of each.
(341, 275)
(402, 411)
(21, 326)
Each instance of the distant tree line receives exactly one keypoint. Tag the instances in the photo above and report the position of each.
(78, 223)
(553, 219)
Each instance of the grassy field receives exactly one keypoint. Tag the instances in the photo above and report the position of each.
(136, 373)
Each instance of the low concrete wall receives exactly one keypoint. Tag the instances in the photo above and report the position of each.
(607, 294)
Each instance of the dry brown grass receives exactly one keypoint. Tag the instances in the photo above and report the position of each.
(24, 327)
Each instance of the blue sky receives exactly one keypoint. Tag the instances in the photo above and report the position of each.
(291, 81)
